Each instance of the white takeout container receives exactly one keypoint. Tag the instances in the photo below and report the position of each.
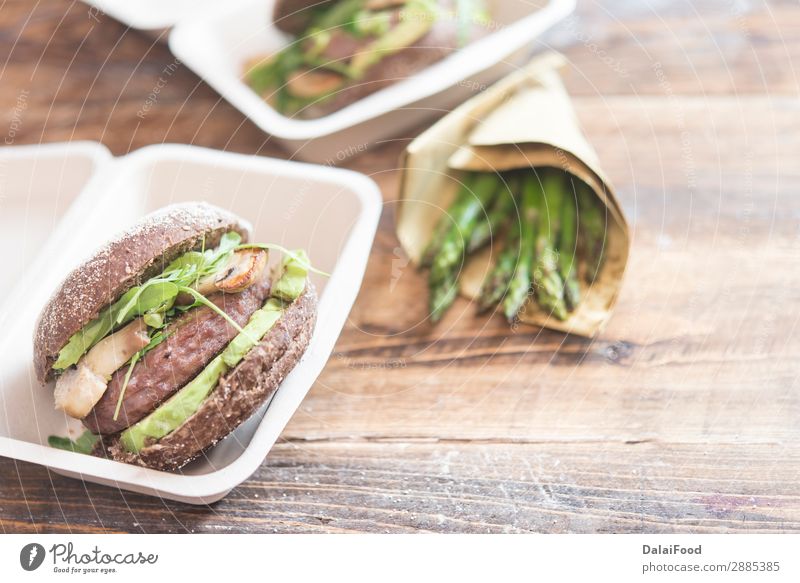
(152, 15)
(330, 212)
(215, 43)
(38, 186)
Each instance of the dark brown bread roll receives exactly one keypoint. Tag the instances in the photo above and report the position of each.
(189, 342)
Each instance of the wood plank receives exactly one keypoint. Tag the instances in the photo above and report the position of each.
(91, 76)
(705, 48)
(680, 417)
(453, 487)
(702, 335)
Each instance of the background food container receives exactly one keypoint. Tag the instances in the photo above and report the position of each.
(216, 42)
(526, 120)
(151, 15)
(330, 212)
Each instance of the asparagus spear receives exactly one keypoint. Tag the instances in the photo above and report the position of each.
(502, 210)
(567, 242)
(547, 281)
(443, 226)
(496, 284)
(592, 233)
(480, 190)
(520, 283)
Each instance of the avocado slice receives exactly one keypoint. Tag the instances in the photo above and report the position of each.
(185, 403)
(371, 23)
(260, 323)
(292, 281)
(176, 410)
(418, 19)
(339, 14)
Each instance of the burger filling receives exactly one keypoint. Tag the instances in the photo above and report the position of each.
(192, 340)
(182, 329)
(175, 411)
(342, 41)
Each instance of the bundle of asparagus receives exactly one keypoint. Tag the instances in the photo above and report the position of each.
(552, 230)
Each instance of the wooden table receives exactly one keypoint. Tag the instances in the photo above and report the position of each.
(682, 416)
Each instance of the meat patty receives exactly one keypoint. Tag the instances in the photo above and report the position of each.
(194, 339)
(237, 396)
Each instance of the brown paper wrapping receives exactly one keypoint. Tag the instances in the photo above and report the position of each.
(524, 120)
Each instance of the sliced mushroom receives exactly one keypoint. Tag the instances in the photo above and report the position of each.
(205, 286)
(114, 351)
(242, 270)
(78, 390)
(311, 83)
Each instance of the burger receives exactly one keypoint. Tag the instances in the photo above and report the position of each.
(172, 335)
(344, 50)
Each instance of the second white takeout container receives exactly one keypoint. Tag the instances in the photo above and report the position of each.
(150, 15)
(332, 213)
(215, 40)
(215, 44)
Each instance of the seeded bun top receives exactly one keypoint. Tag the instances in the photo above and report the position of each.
(142, 251)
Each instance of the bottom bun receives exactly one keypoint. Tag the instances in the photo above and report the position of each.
(237, 396)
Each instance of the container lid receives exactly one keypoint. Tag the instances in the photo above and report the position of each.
(151, 14)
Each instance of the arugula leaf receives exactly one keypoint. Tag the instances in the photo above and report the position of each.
(84, 444)
(154, 320)
(157, 297)
(154, 295)
(80, 342)
(198, 264)
(272, 75)
(227, 243)
(134, 359)
(190, 260)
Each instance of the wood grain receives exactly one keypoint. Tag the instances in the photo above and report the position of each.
(473, 486)
(681, 417)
